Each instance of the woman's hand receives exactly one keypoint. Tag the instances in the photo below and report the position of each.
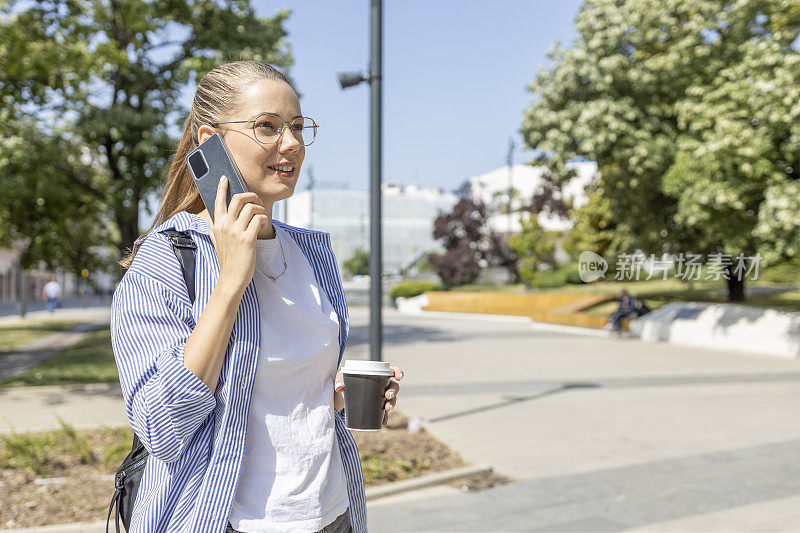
(234, 233)
(390, 393)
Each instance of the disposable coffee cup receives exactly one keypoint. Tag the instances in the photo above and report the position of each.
(365, 384)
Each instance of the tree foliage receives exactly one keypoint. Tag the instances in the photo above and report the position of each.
(462, 235)
(43, 214)
(101, 80)
(691, 110)
(358, 263)
(548, 198)
(534, 248)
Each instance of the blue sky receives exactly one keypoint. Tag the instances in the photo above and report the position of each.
(455, 74)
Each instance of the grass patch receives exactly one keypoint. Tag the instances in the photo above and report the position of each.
(389, 469)
(19, 334)
(66, 451)
(656, 293)
(90, 360)
(661, 292)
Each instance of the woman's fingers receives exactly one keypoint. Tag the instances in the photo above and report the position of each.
(220, 206)
(398, 372)
(249, 212)
(391, 394)
(392, 390)
(255, 224)
(238, 201)
(389, 405)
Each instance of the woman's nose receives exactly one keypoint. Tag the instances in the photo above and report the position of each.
(288, 141)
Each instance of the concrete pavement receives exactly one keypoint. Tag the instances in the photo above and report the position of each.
(606, 434)
(72, 305)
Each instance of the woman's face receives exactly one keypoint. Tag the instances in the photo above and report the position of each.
(257, 163)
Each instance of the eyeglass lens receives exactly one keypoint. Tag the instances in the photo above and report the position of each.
(268, 129)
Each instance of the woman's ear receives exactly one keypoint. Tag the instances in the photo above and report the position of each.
(204, 132)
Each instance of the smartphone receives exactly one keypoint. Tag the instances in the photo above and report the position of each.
(208, 163)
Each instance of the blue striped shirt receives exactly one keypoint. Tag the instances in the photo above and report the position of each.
(195, 438)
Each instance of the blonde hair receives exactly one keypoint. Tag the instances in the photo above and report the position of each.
(218, 95)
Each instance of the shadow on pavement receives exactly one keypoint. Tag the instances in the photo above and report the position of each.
(60, 394)
(401, 335)
(517, 399)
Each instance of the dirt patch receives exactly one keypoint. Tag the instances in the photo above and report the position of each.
(76, 466)
(482, 482)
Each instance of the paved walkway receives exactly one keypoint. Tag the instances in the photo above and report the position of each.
(34, 353)
(604, 434)
(99, 310)
(38, 408)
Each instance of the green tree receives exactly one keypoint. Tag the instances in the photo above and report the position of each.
(534, 248)
(43, 214)
(595, 230)
(105, 77)
(690, 110)
(358, 263)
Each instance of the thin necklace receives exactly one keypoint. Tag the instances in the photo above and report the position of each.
(274, 278)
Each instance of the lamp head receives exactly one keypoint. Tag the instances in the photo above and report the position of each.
(351, 79)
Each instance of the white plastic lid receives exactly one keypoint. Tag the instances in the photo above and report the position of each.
(370, 368)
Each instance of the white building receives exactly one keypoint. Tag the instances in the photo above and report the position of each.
(408, 216)
(525, 180)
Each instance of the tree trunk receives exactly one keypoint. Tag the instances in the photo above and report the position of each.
(735, 285)
(129, 232)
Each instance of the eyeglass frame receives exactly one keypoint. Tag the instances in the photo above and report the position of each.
(278, 138)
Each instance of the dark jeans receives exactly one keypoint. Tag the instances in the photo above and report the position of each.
(340, 525)
(617, 317)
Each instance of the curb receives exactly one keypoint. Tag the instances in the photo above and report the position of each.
(483, 317)
(513, 319)
(421, 482)
(574, 330)
(79, 527)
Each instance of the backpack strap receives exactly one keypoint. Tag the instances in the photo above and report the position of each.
(185, 250)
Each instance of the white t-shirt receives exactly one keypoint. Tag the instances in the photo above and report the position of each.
(53, 289)
(292, 477)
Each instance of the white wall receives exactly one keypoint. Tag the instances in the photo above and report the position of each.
(408, 216)
(492, 189)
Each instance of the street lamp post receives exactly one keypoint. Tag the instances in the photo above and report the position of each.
(510, 163)
(350, 79)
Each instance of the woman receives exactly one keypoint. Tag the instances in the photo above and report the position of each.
(234, 395)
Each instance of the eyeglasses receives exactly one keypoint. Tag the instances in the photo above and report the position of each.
(268, 127)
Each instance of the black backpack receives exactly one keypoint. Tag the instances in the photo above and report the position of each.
(129, 474)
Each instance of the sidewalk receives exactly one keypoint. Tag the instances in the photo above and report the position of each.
(35, 408)
(98, 311)
(605, 434)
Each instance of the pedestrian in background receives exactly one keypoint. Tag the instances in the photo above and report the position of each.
(237, 396)
(627, 307)
(51, 292)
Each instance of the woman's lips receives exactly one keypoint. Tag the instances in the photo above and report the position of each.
(285, 171)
